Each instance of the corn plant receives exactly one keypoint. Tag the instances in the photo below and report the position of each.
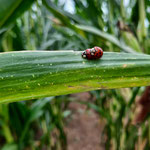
(29, 75)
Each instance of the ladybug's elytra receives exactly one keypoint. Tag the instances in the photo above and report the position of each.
(94, 53)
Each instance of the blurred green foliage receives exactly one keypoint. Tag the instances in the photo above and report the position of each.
(114, 25)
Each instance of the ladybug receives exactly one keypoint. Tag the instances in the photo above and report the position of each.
(94, 53)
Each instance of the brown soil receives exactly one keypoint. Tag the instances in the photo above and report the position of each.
(83, 129)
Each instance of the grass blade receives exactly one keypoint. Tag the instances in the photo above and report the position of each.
(10, 10)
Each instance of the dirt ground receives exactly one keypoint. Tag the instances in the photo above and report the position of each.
(84, 128)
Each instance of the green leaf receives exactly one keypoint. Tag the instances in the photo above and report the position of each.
(10, 10)
(65, 20)
(105, 36)
(142, 31)
(10, 146)
(29, 75)
(131, 41)
(64, 16)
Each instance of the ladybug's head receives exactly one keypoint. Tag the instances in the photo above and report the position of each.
(84, 54)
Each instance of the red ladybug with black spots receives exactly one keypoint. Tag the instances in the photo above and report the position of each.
(94, 53)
